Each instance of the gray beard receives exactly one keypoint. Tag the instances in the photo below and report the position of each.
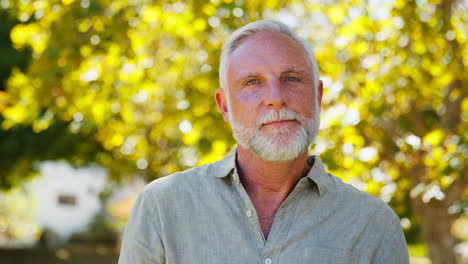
(285, 144)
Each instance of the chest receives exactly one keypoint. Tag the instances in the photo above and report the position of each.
(266, 210)
(229, 228)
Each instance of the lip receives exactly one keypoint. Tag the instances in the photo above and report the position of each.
(279, 122)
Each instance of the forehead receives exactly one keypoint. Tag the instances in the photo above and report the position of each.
(267, 50)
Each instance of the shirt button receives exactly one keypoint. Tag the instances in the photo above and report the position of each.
(248, 213)
(268, 261)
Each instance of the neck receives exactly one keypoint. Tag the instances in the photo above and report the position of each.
(268, 183)
(267, 178)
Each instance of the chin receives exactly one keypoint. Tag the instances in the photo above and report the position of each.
(278, 149)
(279, 157)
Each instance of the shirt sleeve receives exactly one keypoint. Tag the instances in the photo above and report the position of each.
(142, 243)
(393, 249)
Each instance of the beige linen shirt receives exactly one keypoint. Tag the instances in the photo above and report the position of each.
(204, 215)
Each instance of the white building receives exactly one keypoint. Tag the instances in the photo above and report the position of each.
(67, 198)
(62, 199)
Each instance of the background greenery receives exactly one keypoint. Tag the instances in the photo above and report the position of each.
(129, 85)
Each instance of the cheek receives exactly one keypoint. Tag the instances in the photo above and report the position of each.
(301, 90)
(249, 99)
(244, 108)
(303, 102)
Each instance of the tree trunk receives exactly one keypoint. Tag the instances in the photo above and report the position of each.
(436, 223)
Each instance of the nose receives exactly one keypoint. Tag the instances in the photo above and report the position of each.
(274, 95)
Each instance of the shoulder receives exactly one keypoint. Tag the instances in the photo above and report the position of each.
(194, 180)
(195, 183)
(362, 204)
(373, 220)
(179, 181)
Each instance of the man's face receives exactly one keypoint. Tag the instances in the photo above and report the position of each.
(271, 102)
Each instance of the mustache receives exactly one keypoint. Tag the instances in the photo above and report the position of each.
(278, 115)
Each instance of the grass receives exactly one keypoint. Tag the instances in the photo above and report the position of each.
(66, 255)
(99, 254)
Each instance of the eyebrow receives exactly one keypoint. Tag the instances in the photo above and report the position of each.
(251, 75)
(290, 70)
(256, 75)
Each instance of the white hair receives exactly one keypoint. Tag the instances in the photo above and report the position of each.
(262, 25)
(285, 145)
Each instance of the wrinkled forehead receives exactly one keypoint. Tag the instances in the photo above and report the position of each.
(267, 48)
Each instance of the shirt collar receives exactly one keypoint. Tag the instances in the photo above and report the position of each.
(318, 174)
(227, 166)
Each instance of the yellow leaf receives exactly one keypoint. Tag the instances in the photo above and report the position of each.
(435, 69)
(192, 137)
(117, 140)
(336, 14)
(356, 27)
(356, 140)
(360, 48)
(209, 10)
(419, 47)
(373, 188)
(3, 101)
(219, 147)
(199, 25)
(17, 113)
(84, 26)
(434, 138)
(98, 25)
(67, 2)
(200, 110)
(445, 78)
(151, 14)
(446, 181)
(400, 4)
(99, 112)
(43, 122)
(464, 106)
(126, 114)
(30, 34)
(85, 50)
(347, 162)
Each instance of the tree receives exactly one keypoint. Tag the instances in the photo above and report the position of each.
(401, 92)
(10, 57)
(135, 80)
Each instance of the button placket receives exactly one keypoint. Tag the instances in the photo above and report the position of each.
(249, 211)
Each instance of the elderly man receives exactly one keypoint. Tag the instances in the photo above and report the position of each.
(267, 201)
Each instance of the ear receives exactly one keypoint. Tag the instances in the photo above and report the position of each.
(320, 92)
(220, 98)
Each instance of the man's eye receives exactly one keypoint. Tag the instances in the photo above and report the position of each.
(251, 82)
(292, 79)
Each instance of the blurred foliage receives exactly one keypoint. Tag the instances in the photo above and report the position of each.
(119, 204)
(10, 57)
(131, 84)
(460, 228)
(417, 250)
(18, 227)
(21, 147)
(100, 231)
